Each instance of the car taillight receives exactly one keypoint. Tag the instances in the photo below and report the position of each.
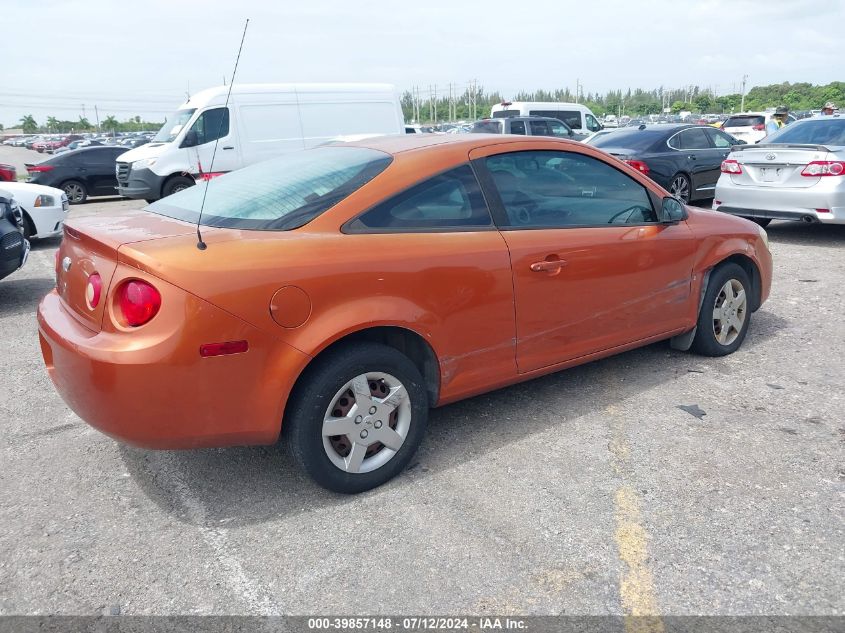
(730, 166)
(759, 127)
(39, 168)
(139, 302)
(819, 168)
(93, 290)
(639, 165)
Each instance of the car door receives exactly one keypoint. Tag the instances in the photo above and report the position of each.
(592, 267)
(695, 155)
(211, 125)
(99, 164)
(721, 144)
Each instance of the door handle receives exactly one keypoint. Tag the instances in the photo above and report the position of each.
(228, 147)
(548, 266)
(691, 157)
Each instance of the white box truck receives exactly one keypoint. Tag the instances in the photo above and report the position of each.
(261, 121)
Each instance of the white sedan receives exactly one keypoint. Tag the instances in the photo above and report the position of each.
(44, 208)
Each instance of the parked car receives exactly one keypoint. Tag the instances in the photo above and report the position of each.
(797, 173)
(685, 159)
(344, 290)
(14, 248)
(89, 171)
(526, 126)
(260, 122)
(751, 126)
(43, 209)
(8, 173)
(611, 121)
(30, 142)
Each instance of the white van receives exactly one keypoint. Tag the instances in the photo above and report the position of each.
(576, 115)
(262, 121)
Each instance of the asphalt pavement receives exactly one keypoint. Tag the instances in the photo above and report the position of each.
(652, 482)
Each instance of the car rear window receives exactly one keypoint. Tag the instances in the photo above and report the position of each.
(487, 127)
(279, 194)
(744, 121)
(632, 138)
(811, 132)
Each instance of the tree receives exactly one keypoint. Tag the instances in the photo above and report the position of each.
(110, 123)
(678, 106)
(28, 124)
(52, 124)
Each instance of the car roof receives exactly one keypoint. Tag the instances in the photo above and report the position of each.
(400, 143)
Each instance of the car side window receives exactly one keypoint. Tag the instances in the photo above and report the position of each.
(518, 127)
(451, 200)
(209, 127)
(592, 124)
(550, 189)
(693, 138)
(559, 129)
(539, 128)
(719, 138)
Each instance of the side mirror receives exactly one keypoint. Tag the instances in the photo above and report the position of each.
(739, 141)
(672, 211)
(190, 139)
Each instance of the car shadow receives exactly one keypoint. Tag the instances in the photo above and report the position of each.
(21, 296)
(803, 234)
(243, 486)
(46, 243)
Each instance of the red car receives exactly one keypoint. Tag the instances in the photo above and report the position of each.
(53, 144)
(8, 173)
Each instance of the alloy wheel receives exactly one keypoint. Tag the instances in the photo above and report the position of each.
(729, 312)
(367, 422)
(680, 188)
(75, 192)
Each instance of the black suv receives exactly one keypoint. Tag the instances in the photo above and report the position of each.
(13, 247)
(527, 126)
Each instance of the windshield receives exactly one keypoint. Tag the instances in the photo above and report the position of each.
(279, 194)
(811, 132)
(174, 124)
(628, 138)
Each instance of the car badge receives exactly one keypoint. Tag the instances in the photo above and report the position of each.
(66, 263)
(771, 156)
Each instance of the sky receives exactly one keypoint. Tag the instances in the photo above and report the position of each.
(63, 57)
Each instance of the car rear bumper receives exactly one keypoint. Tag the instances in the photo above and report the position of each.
(781, 203)
(153, 390)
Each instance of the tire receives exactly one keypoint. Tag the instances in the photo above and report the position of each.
(75, 191)
(335, 389)
(28, 227)
(764, 222)
(681, 187)
(717, 333)
(177, 183)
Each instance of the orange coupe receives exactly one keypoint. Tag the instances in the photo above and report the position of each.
(345, 290)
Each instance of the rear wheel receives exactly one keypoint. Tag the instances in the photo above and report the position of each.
(75, 191)
(681, 188)
(357, 417)
(725, 312)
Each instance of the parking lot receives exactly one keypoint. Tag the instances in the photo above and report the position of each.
(651, 482)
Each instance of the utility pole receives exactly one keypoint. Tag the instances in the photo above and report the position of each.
(742, 100)
(97, 116)
(577, 90)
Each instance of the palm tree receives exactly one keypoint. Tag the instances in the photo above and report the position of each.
(28, 124)
(110, 123)
(52, 124)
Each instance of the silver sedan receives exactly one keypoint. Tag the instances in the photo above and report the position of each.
(797, 173)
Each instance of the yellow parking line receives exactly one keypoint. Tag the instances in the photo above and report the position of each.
(636, 583)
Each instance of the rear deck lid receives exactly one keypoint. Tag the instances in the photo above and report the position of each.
(774, 165)
(90, 246)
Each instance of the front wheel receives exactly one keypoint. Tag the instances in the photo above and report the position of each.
(725, 312)
(176, 184)
(357, 417)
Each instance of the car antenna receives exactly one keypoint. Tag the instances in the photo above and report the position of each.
(200, 244)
